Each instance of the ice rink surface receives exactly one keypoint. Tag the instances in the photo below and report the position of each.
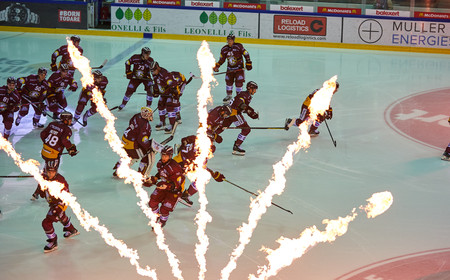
(324, 183)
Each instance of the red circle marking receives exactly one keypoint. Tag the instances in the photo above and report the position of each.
(406, 267)
(422, 117)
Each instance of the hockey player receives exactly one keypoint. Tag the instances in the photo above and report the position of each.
(169, 185)
(446, 155)
(136, 141)
(167, 87)
(33, 91)
(139, 74)
(304, 115)
(234, 53)
(215, 120)
(65, 56)
(9, 103)
(181, 82)
(241, 104)
(100, 82)
(58, 82)
(57, 212)
(185, 157)
(55, 138)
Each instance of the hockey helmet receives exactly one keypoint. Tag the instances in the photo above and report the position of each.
(252, 85)
(66, 117)
(97, 74)
(147, 113)
(231, 36)
(64, 67)
(154, 65)
(75, 38)
(11, 80)
(337, 88)
(42, 70)
(167, 150)
(146, 50)
(226, 110)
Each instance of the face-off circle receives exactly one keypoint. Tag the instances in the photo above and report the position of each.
(427, 265)
(422, 117)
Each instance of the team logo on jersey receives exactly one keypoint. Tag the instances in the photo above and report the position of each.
(35, 94)
(3, 106)
(232, 60)
(145, 139)
(422, 117)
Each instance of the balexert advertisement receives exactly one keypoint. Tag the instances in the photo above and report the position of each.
(407, 33)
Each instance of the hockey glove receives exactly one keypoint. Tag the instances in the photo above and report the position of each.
(219, 177)
(216, 68)
(252, 114)
(329, 114)
(150, 181)
(73, 87)
(72, 150)
(218, 138)
(248, 65)
(129, 75)
(53, 67)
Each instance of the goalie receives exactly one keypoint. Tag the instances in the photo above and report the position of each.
(137, 143)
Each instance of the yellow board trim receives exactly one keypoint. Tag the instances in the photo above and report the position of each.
(223, 39)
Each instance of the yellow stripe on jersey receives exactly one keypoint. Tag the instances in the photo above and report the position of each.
(307, 101)
(178, 158)
(49, 152)
(127, 144)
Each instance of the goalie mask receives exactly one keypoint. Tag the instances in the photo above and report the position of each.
(147, 113)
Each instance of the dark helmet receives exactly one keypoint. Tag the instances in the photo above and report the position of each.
(65, 116)
(11, 80)
(252, 84)
(231, 36)
(51, 166)
(146, 50)
(75, 38)
(97, 74)
(64, 67)
(154, 65)
(42, 70)
(167, 150)
(337, 87)
(226, 109)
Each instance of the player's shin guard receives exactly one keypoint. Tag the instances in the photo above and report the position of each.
(238, 90)
(125, 100)
(149, 100)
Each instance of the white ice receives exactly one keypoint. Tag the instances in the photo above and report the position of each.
(324, 183)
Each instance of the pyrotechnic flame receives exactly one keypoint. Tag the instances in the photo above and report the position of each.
(31, 166)
(291, 249)
(319, 104)
(124, 171)
(198, 172)
(378, 204)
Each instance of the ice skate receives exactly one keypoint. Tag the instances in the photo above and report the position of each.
(17, 122)
(34, 197)
(72, 233)
(238, 151)
(121, 107)
(37, 125)
(168, 129)
(313, 131)
(184, 199)
(51, 246)
(446, 157)
(160, 126)
(227, 99)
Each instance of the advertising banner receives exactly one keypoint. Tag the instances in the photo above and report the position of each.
(290, 8)
(165, 2)
(432, 15)
(336, 10)
(183, 21)
(245, 6)
(130, 1)
(300, 28)
(387, 13)
(48, 15)
(208, 4)
(405, 33)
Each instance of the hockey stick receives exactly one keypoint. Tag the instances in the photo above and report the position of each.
(18, 176)
(227, 72)
(101, 66)
(274, 204)
(67, 153)
(44, 113)
(332, 139)
(256, 127)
